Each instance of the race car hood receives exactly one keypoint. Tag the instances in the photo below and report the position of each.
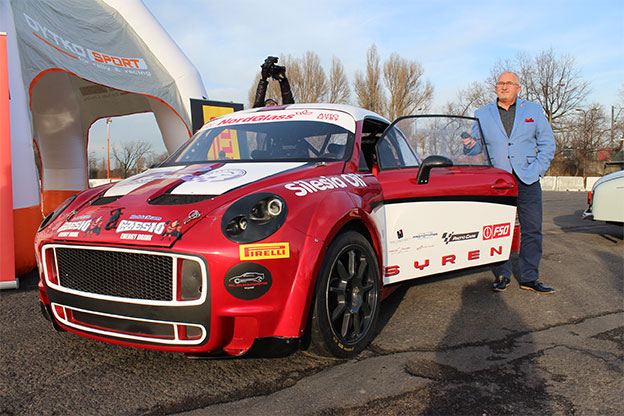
(157, 207)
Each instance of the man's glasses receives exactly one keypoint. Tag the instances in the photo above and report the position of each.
(501, 84)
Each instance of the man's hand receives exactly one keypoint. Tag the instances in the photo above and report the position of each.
(266, 71)
(468, 141)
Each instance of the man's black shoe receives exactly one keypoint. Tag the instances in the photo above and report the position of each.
(501, 283)
(536, 286)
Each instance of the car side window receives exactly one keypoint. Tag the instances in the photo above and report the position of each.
(371, 132)
(393, 151)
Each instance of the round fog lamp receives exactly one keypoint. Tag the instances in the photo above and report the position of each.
(274, 207)
(242, 223)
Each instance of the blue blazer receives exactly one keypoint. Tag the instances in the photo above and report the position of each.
(530, 148)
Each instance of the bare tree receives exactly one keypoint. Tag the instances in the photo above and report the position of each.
(585, 134)
(309, 84)
(617, 125)
(550, 80)
(131, 157)
(157, 158)
(473, 97)
(368, 87)
(407, 91)
(339, 90)
(93, 162)
(394, 89)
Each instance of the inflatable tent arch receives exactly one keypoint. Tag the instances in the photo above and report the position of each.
(79, 61)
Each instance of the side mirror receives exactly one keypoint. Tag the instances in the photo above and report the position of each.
(434, 161)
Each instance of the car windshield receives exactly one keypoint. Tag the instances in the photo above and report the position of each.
(304, 135)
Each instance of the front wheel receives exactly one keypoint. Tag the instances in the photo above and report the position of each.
(347, 298)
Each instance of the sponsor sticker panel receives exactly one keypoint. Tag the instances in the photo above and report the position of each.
(425, 238)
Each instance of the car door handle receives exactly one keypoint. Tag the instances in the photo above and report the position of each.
(502, 184)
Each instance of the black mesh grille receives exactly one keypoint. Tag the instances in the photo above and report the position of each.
(113, 273)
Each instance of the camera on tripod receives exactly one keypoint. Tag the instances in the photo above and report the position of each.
(275, 71)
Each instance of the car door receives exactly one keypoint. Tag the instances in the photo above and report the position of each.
(446, 211)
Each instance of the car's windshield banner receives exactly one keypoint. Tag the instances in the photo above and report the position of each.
(327, 116)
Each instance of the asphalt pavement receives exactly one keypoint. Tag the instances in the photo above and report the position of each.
(446, 345)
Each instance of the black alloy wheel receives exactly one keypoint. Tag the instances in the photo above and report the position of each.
(347, 298)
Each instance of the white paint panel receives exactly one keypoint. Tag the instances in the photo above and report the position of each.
(229, 176)
(211, 182)
(425, 238)
(130, 184)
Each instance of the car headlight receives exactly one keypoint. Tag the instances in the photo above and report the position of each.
(254, 217)
(52, 216)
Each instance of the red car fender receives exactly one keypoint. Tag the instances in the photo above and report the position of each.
(333, 214)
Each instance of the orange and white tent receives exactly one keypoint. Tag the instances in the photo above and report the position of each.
(70, 63)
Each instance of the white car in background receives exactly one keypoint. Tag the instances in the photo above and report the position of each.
(606, 199)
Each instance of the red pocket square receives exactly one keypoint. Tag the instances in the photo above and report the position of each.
(529, 120)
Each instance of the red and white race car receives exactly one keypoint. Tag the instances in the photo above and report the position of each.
(272, 229)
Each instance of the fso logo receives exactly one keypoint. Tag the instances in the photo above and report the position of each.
(496, 231)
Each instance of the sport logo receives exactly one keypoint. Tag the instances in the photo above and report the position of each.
(496, 231)
(264, 251)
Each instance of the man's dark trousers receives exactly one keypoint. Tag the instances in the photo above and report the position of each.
(530, 217)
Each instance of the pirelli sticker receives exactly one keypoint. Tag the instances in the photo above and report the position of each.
(264, 251)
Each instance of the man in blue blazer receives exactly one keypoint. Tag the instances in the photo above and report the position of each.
(519, 140)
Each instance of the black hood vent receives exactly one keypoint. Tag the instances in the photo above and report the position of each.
(172, 199)
(103, 200)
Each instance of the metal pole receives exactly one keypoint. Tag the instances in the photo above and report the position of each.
(7, 236)
(612, 124)
(108, 121)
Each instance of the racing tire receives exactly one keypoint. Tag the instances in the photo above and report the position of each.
(347, 298)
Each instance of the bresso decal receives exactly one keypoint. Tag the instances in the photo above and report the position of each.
(264, 251)
(89, 227)
(452, 237)
(324, 183)
(143, 226)
(166, 229)
(248, 281)
(74, 228)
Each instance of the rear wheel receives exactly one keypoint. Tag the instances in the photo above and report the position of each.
(347, 298)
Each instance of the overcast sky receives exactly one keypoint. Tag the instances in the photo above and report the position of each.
(456, 42)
